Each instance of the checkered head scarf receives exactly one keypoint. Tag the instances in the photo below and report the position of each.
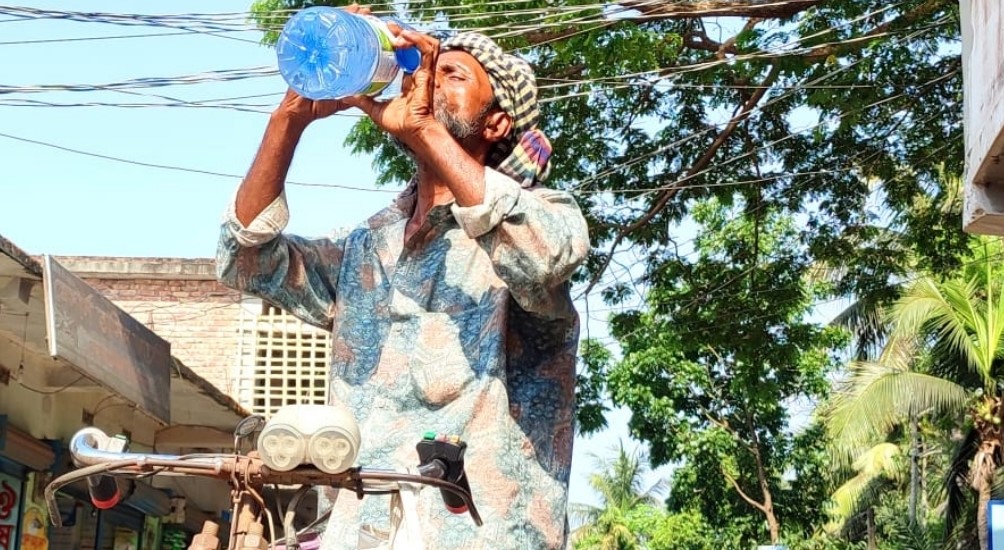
(524, 155)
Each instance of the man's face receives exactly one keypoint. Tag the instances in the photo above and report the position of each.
(463, 95)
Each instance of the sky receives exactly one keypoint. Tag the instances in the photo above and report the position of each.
(63, 192)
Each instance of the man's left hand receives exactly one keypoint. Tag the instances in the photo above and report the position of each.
(407, 116)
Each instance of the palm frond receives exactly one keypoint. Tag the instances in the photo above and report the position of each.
(995, 317)
(875, 467)
(900, 533)
(966, 315)
(948, 309)
(879, 396)
(973, 324)
(900, 353)
(583, 514)
(863, 319)
(882, 460)
(618, 481)
(947, 362)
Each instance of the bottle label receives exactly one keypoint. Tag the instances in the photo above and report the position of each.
(386, 65)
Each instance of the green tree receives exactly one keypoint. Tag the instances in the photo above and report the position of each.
(687, 530)
(874, 468)
(964, 318)
(896, 385)
(906, 459)
(710, 382)
(613, 525)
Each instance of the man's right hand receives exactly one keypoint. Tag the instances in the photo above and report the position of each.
(302, 111)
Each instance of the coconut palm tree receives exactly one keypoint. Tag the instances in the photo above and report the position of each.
(619, 482)
(954, 327)
(963, 320)
(862, 418)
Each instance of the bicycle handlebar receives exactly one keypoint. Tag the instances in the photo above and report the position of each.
(241, 470)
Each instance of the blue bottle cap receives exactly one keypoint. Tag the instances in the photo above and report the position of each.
(408, 59)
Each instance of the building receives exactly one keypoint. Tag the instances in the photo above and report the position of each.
(70, 358)
(983, 83)
(254, 352)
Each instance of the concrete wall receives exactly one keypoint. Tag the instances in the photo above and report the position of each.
(200, 318)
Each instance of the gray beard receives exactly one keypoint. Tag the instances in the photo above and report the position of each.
(461, 130)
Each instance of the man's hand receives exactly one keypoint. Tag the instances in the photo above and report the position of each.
(408, 115)
(302, 111)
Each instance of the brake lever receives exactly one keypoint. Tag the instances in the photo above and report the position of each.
(442, 456)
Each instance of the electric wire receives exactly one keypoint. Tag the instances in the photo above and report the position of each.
(756, 54)
(222, 75)
(696, 135)
(813, 306)
(113, 37)
(823, 122)
(181, 168)
(704, 296)
(796, 88)
(208, 22)
(241, 74)
(853, 161)
(675, 184)
(666, 75)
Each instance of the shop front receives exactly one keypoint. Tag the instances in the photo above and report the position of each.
(69, 359)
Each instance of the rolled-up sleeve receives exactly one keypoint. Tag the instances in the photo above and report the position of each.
(536, 239)
(296, 274)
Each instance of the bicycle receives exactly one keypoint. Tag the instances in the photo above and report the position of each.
(320, 458)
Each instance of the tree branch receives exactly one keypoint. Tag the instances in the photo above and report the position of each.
(699, 40)
(541, 37)
(723, 424)
(761, 474)
(906, 19)
(729, 46)
(819, 52)
(747, 498)
(566, 73)
(770, 9)
(761, 471)
(670, 191)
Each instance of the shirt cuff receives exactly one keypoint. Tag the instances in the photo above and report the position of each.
(265, 227)
(501, 196)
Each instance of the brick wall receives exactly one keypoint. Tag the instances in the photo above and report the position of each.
(200, 318)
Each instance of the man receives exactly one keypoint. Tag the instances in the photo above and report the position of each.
(450, 309)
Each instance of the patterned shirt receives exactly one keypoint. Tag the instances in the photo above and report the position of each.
(466, 329)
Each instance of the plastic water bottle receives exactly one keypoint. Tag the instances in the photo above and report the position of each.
(329, 53)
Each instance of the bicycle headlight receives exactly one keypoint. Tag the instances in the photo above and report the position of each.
(282, 447)
(333, 450)
(326, 436)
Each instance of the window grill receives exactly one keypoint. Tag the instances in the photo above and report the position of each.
(284, 361)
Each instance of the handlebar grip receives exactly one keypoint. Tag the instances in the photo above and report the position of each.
(448, 451)
(453, 502)
(104, 491)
